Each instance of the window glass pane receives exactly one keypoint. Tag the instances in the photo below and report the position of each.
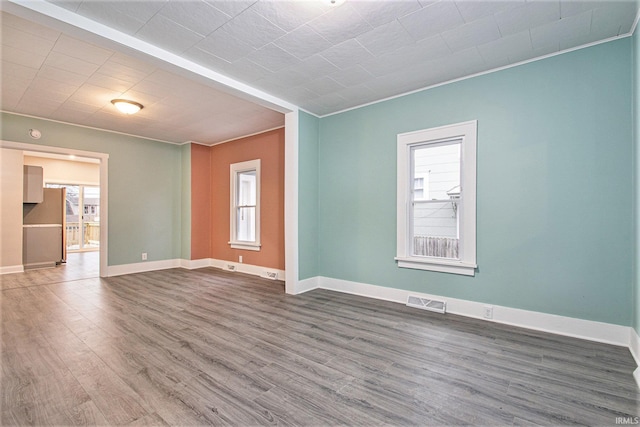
(435, 229)
(246, 188)
(246, 224)
(246, 206)
(434, 213)
(439, 165)
(91, 217)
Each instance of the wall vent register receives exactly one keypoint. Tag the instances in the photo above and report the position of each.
(427, 304)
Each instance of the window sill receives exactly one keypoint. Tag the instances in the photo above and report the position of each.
(442, 266)
(245, 246)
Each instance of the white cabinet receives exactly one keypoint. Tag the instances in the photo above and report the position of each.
(32, 185)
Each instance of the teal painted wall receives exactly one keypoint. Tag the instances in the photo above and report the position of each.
(185, 193)
(636, 182)
(145, 180)
(555, 230)
(308, 195)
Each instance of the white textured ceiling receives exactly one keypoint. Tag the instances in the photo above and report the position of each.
(49, 74)
(320, 58)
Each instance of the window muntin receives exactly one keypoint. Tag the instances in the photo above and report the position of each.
(245, 205)
(436, 207)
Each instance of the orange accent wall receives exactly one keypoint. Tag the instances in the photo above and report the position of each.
(269, 148)
(210, 198)
(200, 201)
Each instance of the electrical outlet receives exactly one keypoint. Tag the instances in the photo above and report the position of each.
(144, 256)
(240, 259)
(488, 312)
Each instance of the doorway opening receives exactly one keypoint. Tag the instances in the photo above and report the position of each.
(78, 157)
(79, 178)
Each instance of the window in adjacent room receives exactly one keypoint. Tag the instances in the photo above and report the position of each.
(245, 205)
(437, 199)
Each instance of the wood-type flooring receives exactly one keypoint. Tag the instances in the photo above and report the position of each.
(208, 347)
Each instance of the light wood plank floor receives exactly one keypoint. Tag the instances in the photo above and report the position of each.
(206, 347)
(79, 265)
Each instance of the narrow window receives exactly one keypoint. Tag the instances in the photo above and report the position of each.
(245, 205)
(436, 199)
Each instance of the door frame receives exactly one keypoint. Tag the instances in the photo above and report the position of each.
(77, 155)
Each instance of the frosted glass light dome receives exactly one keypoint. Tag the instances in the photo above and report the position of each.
(126, 106)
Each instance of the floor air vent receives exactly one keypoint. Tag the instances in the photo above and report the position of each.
(273, 275)
(427, 304)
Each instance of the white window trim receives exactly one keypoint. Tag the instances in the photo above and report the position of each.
(467, 131)
(234, 170)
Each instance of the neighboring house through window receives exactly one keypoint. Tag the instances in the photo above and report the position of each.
(245, 205)
(437, 199)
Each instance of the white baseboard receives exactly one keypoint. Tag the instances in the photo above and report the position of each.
(254, 270)
(141, 267)
(306, 285)
(192, 264)
(561, 325)
(9, 269)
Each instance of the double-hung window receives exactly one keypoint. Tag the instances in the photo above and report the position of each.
(245, 205)
(436, 213)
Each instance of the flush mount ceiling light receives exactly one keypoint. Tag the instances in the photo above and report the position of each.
(334, 3)
(126, 106)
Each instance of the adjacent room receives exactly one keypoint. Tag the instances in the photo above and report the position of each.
(320, 212)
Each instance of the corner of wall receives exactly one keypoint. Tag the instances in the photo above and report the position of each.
(306, 285)
(185, 228)
(308, 194)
